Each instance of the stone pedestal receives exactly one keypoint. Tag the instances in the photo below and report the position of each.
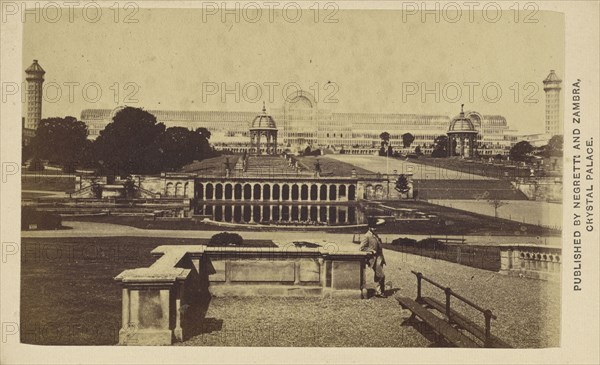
(151, 302)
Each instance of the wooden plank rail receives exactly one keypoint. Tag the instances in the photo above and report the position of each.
(419, 309)
(440, 326)
(467, 324)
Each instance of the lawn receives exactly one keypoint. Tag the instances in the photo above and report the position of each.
(459, 222)
(68, 296)
(64, 183)
(331, 167)
(211, 166)
(32, 195)
(496, 171)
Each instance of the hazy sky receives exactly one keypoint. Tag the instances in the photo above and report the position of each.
(372, 57)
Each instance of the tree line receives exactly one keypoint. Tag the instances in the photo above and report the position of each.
(521, 151)
(133, 143)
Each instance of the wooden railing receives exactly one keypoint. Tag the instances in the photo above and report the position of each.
(452, 316)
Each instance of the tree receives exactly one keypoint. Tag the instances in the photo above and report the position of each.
(440, 146)
(402, 184)
(554, 148)
(407, 139)
(385, 138)
(203, 132)
(180, 146)
(418, 151)
(496, 203)
(130, 144)
(129, 186)
(60, 140)
(520, 151)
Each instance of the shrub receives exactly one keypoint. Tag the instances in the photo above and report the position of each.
(431, 244)
(404, 242)
(35, 165)
(43, 220)
(225, 239)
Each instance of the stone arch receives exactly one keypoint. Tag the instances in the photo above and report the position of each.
(285, 213)
(332, 214)
(379, 192)
(314, 213)
(257, 213)
(294, 213)
(323, 213)
(237, 213)
(257, 191)
(186, 189)
(304, 192)
(342, 191)
(352, 192)
(266, 192)
(219, 191)
(323, 192)
(200, 191)
(314, 192)
(247, 191)
(332, 192)
(295, 192)
(276, 192)
(210, 191)
(218, 213)
(369, 191)
(178, 189)
(246, 213)
(228, 213)
(170, 189)
(228, 191)
(352, 215)
(237, 192)
(304, 213)
(285, 192)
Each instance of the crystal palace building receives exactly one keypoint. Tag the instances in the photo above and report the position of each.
(302, 122)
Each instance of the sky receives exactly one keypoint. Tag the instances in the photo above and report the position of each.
(368, 61)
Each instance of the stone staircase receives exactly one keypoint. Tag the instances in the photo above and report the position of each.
(268, 166)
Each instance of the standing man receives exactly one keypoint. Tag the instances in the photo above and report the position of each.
(371, 242)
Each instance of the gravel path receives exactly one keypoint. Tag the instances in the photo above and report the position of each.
(528, 312)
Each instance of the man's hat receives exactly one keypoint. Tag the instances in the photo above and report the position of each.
(372, 222)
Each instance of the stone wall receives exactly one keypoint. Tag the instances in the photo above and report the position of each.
(164, 186)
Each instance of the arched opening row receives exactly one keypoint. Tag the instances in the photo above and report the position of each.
(330, 215)
(275, 192)
(178, 189)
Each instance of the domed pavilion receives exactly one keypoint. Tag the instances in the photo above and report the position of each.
(462, 135)
(263, 134)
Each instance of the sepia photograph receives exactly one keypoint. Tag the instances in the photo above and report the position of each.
(298, 175)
